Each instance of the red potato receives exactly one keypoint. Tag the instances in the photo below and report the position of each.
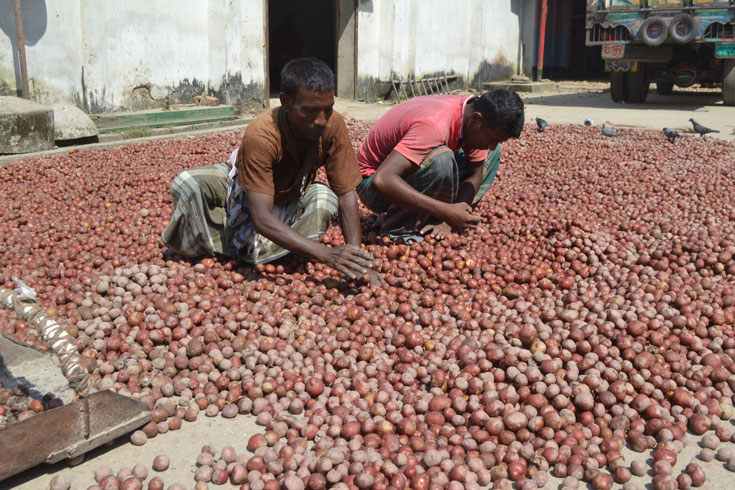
(156, 483)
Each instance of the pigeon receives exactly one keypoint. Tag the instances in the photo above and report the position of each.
(671, 134)
(610, 131)
(541, 124)
(701, 129)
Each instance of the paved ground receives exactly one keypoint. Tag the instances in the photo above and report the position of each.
(573, 103)
(181, 446)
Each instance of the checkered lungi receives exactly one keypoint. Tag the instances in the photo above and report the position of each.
(198, 222)
(201, 226)
(439, 176)
(310, 216)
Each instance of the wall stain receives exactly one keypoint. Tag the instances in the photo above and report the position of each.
(97, 102)
(231, 91)
(500, 68)
(371, 88)
(7, 81)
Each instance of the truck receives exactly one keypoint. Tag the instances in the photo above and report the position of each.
(667, 42)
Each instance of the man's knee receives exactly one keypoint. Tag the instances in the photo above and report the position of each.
(443, 162)
(321, 199)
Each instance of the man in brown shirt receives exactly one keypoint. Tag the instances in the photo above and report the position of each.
(273, 207)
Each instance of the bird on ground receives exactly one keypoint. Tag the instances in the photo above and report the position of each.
(610, 131)
(671, 134)
(541, 124)
(702, 130)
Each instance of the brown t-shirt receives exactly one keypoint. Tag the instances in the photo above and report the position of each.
(269, 161)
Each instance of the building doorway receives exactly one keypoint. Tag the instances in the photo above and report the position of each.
(298, 29)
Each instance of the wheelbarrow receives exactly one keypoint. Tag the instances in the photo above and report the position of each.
(84, 422)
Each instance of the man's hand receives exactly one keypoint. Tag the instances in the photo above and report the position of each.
(350, 260)
(459, 216)
(438, 230)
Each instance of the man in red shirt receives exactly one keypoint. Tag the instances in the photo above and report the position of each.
(426, 161)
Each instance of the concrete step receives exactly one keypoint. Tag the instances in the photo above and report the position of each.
(128, 134)
(186, 115)
(521, 86)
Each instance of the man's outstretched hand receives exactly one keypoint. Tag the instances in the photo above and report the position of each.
(350, 260)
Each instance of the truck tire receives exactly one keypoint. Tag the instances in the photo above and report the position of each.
(687, 24)
(664, 88)
(638, 83)
(728, 81)
(618, 86)
(653, 31)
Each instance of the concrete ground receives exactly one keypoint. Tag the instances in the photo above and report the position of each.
(181, 446)
(572, 103)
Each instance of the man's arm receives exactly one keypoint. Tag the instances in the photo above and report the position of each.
(388, 182)
(349, 218)
(350, 260)
(469, 187)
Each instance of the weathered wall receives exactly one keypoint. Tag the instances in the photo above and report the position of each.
(109, 55)
(106, 55)
(346, 49)
(478, 40)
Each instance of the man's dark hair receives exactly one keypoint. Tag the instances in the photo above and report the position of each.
(312, 73)
(503, 109)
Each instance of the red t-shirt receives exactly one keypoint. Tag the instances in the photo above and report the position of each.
(414, 128)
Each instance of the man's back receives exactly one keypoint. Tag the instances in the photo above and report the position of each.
(414, 128)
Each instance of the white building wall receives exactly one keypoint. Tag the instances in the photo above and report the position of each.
(97, 52)
(478, 40)
(108, 55)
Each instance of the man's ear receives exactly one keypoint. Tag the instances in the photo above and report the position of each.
(476, 117)
(285, 100)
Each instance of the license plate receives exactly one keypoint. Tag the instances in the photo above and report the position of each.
(613, 51)
(725, 51)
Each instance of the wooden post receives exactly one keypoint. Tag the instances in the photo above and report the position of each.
(21, 51)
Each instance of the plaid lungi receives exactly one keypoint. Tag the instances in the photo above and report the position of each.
(198, 225)
(425, 177)
(310, 216)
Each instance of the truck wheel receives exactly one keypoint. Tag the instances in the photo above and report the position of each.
(618, 86)
(682, 29)
(664, 88)
(638, 82)
(728, 82)
(653, 31)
